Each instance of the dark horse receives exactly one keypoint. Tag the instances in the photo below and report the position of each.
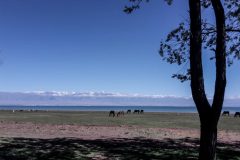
(136, 111)
(237, 114)
(142, 111)
(112, 113)
(225, 113)
(129, 111)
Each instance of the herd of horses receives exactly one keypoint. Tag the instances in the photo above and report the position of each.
(112, 113)
(227, 113)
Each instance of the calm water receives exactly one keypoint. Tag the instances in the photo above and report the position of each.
(116, 108)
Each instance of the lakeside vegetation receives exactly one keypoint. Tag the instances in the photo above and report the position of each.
(158, 120)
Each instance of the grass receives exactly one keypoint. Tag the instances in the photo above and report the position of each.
(161, 120)
(112, 149)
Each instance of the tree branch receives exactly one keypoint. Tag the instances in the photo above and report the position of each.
(197, 80)
(220, 55)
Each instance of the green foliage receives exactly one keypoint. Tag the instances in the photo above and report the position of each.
(136, 5)
(175, 48)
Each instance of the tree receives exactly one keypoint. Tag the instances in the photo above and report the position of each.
(188, 42)
(209, 115)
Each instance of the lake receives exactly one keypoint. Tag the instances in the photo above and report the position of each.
(180, 109)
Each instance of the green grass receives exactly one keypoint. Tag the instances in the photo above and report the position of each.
(161, 120)
(115, 149)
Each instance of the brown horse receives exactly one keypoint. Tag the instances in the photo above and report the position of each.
(120, 113)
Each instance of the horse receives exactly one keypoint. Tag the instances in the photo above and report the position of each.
(142, 111)
(120, 113)
(136, 111)
(225, 113)
(237, 114)
(112, 113)
(128, 111)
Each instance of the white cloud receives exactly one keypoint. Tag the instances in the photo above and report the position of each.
(98, 98)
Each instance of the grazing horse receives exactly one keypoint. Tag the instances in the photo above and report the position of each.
(120, 113)
(112, 113)
(128, 111)
(142, 111)
(136, 111)
(225, 113)
(237, 114)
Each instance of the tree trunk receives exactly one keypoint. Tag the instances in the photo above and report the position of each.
(208, 141)
(209, 115)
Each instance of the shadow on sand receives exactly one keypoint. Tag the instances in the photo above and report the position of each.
(132, 149)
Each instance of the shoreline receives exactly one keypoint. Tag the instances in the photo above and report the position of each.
(149, 109)
(93, 111)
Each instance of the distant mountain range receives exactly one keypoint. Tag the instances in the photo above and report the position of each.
(98, 98)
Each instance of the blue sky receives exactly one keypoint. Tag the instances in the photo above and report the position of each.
(91, 45)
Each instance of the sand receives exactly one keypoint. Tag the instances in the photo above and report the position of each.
(46, 131)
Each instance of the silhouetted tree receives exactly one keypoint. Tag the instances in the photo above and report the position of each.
(184, 44)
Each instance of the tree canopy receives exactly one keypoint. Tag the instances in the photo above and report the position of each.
(175, 48)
